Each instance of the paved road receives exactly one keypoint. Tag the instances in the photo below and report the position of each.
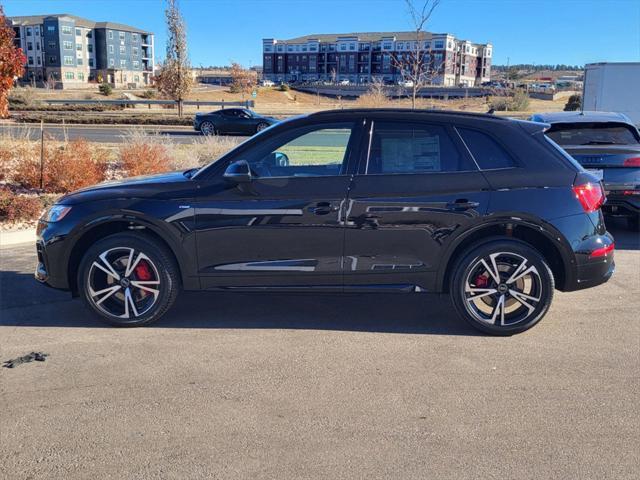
(102, 134)
(271, 386)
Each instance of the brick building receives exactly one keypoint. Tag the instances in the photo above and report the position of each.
(359, 57)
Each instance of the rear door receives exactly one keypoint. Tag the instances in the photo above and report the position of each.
(416, 189)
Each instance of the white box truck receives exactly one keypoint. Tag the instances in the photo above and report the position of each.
(613, 87)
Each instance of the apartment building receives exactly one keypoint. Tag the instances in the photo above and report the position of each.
(69, 51)
(360, 57)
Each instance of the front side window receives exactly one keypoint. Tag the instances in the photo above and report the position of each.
(398, 147)
(304, 152)
(487, 152)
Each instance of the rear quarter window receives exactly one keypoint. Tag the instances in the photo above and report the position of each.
(487, 152)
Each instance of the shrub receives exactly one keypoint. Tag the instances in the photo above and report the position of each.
(15, 207)
(144, 158)
(284, 87)
(516, 102)
(573, 103)
(105, 89)
(148, 94)
(22, 97)
(69, 167)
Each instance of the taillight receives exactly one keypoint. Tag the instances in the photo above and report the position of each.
(631, 162)
(602, 251)
(590, 195)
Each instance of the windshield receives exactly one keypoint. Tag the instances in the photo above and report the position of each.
(593, 134)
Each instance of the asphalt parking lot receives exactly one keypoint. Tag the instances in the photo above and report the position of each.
(275, 386)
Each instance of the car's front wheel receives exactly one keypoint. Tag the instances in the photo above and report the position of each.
(208, 128)
(502, 287)
(129, 280)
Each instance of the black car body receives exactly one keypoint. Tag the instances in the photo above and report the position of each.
(608, 144)
(345, 201)
(238, 121)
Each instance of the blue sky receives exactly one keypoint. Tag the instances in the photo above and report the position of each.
(524, 31)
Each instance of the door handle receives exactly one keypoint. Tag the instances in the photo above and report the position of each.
(323, 208)
(462, 204)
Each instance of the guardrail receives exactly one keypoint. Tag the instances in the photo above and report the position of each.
(198, 103)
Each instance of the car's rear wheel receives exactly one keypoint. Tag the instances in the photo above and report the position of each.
(129, 280)
(502, 287)
(261, 126)
(208, 128)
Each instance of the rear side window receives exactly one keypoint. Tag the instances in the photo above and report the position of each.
(414, 148)
(487, 152)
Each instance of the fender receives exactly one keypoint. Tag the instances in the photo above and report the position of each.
(501, 220)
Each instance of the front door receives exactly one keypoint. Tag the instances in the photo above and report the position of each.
(283, 228)
(416, 189)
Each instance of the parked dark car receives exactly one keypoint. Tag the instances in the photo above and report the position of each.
(484, 208)
(239, 121)
(608, 145)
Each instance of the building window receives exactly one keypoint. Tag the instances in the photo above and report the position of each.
(89, 34)
(29, 46)
(68, 75)
(110, 34)
(78, 32)
(134, 36)
(79, 61)
(68, 60)
(91, 62)
(30, 60)
(66, 29)
(90, 48)
(121, 35)
(79, 47)
(136, 78)
(53, 45)
(136, 64)
(343, 47)
(28, 31)
(123, 63)
(37, 31)
(53, 59)
(110, 48)
(134, 51)
(122, 49)
(51, 28)
(439, 44)
(67, 45)
(80, 76)
(38, 46)
(38, 60)
(111, 62)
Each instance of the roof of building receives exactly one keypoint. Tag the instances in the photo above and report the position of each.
(580, 117)
(79, 21)
(364, 36)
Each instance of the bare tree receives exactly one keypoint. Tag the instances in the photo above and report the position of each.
(375, 96)
(416, 64)
(175, 78)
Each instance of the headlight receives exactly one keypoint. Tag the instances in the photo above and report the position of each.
(55, 213)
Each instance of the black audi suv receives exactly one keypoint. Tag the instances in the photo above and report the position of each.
(487, 209)
(607, 144)
(239, 121)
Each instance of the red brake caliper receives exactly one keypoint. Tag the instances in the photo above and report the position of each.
(481, 281)
(143, 272)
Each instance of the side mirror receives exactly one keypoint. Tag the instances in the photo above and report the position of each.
(238, 172)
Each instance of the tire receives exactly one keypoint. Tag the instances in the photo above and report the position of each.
(261, 126)
(124, 296)
(516, 302)
(633, 223)
(208, 128)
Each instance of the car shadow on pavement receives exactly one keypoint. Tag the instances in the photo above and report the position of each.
(25, 303)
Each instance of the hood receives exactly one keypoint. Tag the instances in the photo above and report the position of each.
(158, 186)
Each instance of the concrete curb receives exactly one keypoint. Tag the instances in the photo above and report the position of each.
(17, 237)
